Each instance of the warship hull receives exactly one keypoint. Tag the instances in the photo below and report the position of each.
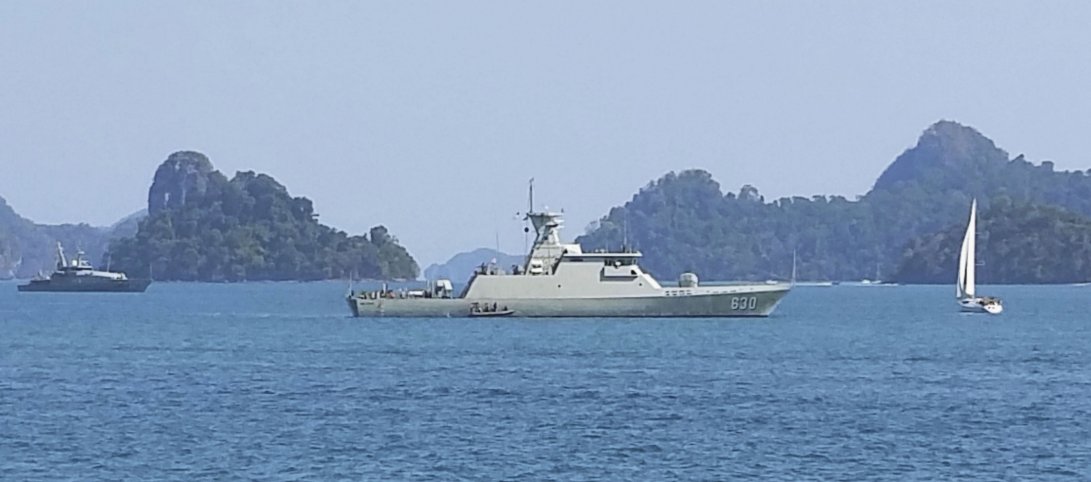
(741, 301)
(87, 286)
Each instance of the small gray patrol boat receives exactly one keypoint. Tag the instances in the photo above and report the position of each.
(77, 275)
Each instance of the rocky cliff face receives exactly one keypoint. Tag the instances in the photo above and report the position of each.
(9, 258)
(202, 226)
(16, 234)
(27, 248)
(184, 175)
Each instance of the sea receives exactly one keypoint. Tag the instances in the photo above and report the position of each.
(274, 381)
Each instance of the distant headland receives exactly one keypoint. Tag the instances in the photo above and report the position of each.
(1035, 226)
(201, 226)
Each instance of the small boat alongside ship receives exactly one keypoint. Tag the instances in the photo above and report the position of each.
(561, 280)
(77, 275)
(484, 310)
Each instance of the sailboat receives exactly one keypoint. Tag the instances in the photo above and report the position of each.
(965, 289)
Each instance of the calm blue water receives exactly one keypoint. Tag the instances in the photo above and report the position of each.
(274, 381)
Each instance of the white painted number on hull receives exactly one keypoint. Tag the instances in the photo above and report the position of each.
(744, 303)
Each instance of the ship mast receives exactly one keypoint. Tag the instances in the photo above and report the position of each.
(530, 209)
(526, 229)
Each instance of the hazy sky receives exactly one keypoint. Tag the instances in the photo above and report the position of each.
(429, 117)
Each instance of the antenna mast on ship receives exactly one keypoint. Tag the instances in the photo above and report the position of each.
(625, 233)
(530, 209)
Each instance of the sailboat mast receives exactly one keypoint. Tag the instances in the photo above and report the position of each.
(965, 286)
(971, 255)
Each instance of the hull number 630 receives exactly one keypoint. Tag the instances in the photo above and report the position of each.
(744, 302)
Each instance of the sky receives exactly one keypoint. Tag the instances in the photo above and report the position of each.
(430, 117)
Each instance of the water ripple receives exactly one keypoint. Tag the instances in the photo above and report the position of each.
(831, 388)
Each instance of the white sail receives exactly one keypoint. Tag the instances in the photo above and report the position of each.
(965, 287)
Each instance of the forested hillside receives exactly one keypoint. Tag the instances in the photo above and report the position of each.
(1016, 243)
(684, 221)
(203, 226)
(27, 248)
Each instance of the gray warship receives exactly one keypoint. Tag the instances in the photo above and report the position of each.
(77, 275)
(561, 280)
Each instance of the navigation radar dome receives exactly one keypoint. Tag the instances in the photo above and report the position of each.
(687, 280)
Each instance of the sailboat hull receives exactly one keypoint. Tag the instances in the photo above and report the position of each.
(980, 305)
